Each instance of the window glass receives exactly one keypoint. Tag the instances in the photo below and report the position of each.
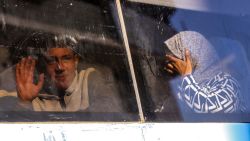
(191, 63)
(63, 61)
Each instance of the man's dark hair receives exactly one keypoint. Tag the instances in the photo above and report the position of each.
(37, 43)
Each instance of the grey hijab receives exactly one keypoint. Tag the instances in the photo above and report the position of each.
(204, 58)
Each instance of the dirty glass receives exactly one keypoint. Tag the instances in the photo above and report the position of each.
(63, 60)
(191, 60)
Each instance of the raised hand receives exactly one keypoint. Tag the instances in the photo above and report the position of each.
(182, 67)
(27, 90)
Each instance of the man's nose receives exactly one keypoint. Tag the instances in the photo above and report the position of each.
(59, 65)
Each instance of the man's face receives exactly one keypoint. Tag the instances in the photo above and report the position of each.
(61, 66)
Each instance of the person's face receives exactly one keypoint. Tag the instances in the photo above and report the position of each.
(61, 66)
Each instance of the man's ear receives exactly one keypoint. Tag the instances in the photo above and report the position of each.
(76, 60)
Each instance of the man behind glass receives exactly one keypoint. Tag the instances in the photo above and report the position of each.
(57, 85)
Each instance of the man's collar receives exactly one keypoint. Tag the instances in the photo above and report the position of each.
(73, 85)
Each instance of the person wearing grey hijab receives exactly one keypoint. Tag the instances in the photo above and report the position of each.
(205, 86)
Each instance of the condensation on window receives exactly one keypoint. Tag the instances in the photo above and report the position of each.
(77, 47)
(64, 36)
(218, 43)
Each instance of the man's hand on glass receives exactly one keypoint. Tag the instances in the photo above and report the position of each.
(27, 90)
(176, 65)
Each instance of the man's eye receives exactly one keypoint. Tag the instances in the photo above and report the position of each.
(50, 60)
(67, 58)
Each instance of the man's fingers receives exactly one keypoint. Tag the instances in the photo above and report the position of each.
(29, 63)
(27, 66)
(18, 73)
(41, 81)
(26, 88)
(32, 69)
(21, 68)
(33, 64)
(19, 80)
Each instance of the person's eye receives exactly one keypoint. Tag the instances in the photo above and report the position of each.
(50, 60)
(67, 58)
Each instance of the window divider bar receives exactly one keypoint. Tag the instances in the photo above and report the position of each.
(129, 57)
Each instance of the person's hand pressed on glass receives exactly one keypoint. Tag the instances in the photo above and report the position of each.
(176, 65)
(27, 90)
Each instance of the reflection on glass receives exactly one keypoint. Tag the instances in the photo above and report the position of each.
(148, 27)
(65, 61)
(189, 64)
(207, 85)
